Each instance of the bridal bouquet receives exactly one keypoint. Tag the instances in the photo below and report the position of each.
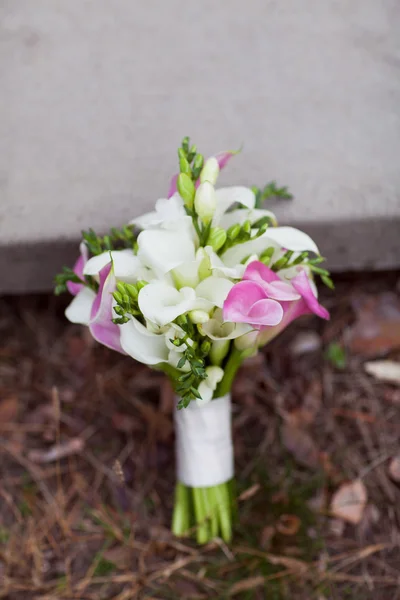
(192, 289)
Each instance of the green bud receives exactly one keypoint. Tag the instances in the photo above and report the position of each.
(205, 265)
(246, 227)
(181, 320)
(185, 144)
(186, 189)
(121, 287)
(217, 238)
(119, 310)
(192, 152)
(267, 255)
(141, 284)
(197, 165)
(184, 166)
(125, 299)
(181, 153)
(219, 350)
(263, 229)
(117, 297)
(233, 232)
(205, 347)
(132, 290)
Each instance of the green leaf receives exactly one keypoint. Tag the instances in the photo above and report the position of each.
(336, 355)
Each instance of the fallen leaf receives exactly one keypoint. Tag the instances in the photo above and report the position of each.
(8, 410)
(288, 524)
(301, 445)
(72, 446)
(349, 502)
(384, 370)
(377, 329)
(394, 468)
(266, 536)
(246, 584)
(249, 493)
(305, 342)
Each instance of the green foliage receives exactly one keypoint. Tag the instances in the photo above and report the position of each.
(194, 354)
(117, 239)
(104, 567)
(126, 297)
(61, 280)
(271, 190)
(336, 355)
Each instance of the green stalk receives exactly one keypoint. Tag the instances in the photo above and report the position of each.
(234, 361)
(202, 532)
(210, 504)
(181, 516)
(223, 505)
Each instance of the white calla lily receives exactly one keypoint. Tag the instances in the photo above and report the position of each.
(230, 195)
(161, 303)
(217, 329)
(167, 210)
(214, 289)
(165, 249)
(142, 345)
(79, 310)
(127, 266)
(291, 238)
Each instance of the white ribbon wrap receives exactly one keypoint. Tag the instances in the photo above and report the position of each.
(204, 450)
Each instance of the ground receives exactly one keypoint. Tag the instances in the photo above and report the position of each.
(87, 463)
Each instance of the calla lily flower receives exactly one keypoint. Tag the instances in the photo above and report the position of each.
(167, 210)
(127, 267)
(96, 310)
(141, 344)
(247, 302)
(161, 303)
(289, 238)
(299, 300)
(78, 269)
(165, 249)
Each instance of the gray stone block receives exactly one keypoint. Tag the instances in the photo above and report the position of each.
(96, 95)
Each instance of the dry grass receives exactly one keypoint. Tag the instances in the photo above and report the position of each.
(87, 470)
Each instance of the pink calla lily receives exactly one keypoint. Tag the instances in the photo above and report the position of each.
(248, 303)
(75, 288)
(101, 326)
(254, 299)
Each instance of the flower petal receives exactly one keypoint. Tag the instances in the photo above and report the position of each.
(101, 326)
(142, 345)
(161, 303)
(275, 288)
(228, 196)
(240, 300)
(75, 288)
(302, 285)
(291, 239)
(165, 249)
(126, 264)
(80, 308)
(215, 289)
(265, 312)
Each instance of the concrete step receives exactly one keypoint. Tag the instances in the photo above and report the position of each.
(96, 96)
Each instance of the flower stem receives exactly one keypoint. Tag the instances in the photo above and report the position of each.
(234, 361)
(181, 516)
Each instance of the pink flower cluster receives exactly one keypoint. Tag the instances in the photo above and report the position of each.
(266, 302)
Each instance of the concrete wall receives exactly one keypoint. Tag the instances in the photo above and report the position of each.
(96, 95)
